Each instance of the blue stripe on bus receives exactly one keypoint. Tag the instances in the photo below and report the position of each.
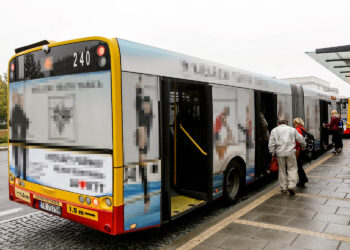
(250, 173)
(136, 212)
(132, 190)
(218, 182)
(20, 84)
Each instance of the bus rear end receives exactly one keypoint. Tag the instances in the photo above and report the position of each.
(61, 132)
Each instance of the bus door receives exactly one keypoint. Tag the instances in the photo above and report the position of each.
(187, 143)
(324, 118)
(265, 112)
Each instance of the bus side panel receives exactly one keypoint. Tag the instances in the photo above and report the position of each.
(233, 127)
(142, 170)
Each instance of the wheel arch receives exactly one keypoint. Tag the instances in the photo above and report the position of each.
(242, 165)
(240, 160)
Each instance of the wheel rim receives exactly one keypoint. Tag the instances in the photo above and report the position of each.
(232, 183)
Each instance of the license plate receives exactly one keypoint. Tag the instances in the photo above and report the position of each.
(50, 208)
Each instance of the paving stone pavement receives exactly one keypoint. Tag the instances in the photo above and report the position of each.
(285, 222)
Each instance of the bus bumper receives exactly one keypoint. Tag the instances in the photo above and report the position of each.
(347, 131)
(110, 222)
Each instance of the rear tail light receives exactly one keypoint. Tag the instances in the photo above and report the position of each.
(12, 67)
(95, 202)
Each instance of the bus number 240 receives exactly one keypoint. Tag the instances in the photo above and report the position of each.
(83, 58)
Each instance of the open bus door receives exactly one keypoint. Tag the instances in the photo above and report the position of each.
(265, 108)
(324, 118)
(186, 146)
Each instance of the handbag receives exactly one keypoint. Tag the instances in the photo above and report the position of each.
(274, 165)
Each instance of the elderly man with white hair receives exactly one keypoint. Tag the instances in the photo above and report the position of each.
(282, 144)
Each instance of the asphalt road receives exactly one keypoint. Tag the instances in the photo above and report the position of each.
(8, 209)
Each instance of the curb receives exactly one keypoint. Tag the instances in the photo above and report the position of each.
(3, 148)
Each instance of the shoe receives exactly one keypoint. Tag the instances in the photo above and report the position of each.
(338, 150)
(284, 192)
(301, 184)
(291, 192)
(334, 152)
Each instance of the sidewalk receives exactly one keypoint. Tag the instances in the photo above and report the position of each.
(3, 148)
(316, 218)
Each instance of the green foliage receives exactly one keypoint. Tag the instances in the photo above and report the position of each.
(3, 136)
(3, 99)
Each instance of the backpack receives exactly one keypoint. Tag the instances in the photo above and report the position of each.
(309, 148)
(309, 140)
(341, 125)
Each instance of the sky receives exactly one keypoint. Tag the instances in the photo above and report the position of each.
(269, 37)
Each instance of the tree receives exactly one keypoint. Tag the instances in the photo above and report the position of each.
(3, 98)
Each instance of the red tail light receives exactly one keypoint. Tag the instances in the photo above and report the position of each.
(101, 50)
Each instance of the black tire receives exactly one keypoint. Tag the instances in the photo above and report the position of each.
(233, 181)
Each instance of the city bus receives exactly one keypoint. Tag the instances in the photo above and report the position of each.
(345, 116)
(120, 136)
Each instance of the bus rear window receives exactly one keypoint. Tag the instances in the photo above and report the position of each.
(62, 98)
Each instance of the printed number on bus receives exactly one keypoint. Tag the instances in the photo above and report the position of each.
(81, 60)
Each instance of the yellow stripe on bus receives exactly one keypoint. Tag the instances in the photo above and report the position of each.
(116, 104)
(82, 212)
(61, 195)
(118, 191)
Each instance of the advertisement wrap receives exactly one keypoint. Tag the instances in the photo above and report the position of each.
(66, 124)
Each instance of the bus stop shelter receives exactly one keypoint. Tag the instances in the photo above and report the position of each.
(335, 59)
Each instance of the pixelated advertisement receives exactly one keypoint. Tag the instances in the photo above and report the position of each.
(88, 174)
(233, 129)
(71, 111)
(140, 117)
(142, 173)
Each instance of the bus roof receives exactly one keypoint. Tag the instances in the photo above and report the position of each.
(146, 59)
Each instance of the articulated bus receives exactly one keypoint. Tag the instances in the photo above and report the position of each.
(121, 136)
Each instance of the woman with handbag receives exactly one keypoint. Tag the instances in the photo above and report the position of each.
(299, 153)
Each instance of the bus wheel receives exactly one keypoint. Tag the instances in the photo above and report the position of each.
(233, 181)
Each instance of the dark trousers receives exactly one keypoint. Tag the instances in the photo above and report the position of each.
(266, 158)
(337, 139)
(301, 173)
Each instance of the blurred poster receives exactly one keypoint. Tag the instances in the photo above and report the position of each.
(88, 174)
